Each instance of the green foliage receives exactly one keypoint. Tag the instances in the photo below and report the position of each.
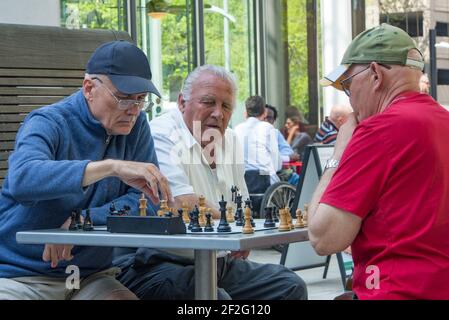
(297, 54)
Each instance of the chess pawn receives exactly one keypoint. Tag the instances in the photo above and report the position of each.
(212, 222)
(163, 208)
(305, 216)
(87, 226)
(247, 228)
(208, 227)
(299, 222)
(73, 225)
(269, 222)
(283, 225)
(143, 206)
(229, 215)
(185, 213)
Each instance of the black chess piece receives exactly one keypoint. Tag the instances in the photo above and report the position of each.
(112, 209)
(249, 203)
(73, 225)
(208, 227)
(223, 225)
(87, 226)
(191, 216)
(269, 223)
(238, 217)
(79, 224)
(275, 214)
(196, 223)
(234, 190)
(126, 210)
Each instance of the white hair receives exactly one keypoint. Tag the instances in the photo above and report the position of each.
(217, 71)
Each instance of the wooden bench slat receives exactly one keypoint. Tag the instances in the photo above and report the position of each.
(3, 164)
(3, 173)
(16, 109)
(6, 145)
(7, 127)
(7, 136)
(12, 117)
(28, 100)
(43, 73)
(38, 91)
(4, 155)
(41, 82)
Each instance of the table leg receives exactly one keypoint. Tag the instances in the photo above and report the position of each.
(205, 275)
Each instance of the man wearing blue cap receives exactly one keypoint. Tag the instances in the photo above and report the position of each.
(385, 189)
(83, 152)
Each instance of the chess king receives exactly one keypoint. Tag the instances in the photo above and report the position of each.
(199, 155)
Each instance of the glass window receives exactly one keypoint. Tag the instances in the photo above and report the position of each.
(93, 14)
(228, 43)
(164, 33)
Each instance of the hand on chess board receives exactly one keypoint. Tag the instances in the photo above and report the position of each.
(58, 252)
(145, 177)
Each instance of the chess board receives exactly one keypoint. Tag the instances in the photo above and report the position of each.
(234, 229)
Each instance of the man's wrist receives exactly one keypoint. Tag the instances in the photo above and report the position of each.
(331, 163)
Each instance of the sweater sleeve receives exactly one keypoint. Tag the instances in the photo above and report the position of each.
(35, 174)
(144, 152)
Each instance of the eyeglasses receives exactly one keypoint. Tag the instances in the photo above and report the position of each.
(126, 104)
(346, 83)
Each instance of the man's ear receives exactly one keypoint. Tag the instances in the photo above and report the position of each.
(377, 75)
(181, 103)
(87, 89)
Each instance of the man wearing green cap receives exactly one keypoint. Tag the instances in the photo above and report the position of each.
(385, 189)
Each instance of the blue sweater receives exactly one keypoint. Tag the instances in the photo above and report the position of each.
(44, 183)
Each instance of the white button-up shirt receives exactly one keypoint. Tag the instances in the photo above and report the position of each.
(260, 145)
(182, 161)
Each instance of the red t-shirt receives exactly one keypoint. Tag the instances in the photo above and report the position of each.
(394, 174)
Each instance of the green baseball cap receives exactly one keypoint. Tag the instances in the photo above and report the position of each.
(383, 44)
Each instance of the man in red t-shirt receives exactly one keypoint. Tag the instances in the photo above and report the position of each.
(385, 191)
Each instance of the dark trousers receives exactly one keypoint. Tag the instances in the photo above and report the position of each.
(164, 276)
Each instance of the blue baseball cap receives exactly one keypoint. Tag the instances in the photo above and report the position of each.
(125, 65)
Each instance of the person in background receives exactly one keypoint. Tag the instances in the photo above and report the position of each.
(297, 137)
(424, 84)
(327, 133)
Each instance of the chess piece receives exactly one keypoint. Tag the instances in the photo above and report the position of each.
(247, 227)
(125, 210)
(276, 214)
(185, 213)
(223, 226)
(229, 215)
(87, 226)
(168, 214)
(143, 206)
(249, 204)
(208, 227)
(73, 225)
(79, 224)
(283, 225)
(239, 211)
(191, 218)
(196, 225)
(299, 221)
(269, 222)
(234, 191)
(163, 208)
(289, 217)
(305, 216)
(112, 209)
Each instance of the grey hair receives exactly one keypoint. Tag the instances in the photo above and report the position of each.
(217, 71)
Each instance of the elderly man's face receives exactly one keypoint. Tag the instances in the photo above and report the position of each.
(210, 106)
(103, 100)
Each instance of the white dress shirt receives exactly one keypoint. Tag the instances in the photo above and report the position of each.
(260, 145)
